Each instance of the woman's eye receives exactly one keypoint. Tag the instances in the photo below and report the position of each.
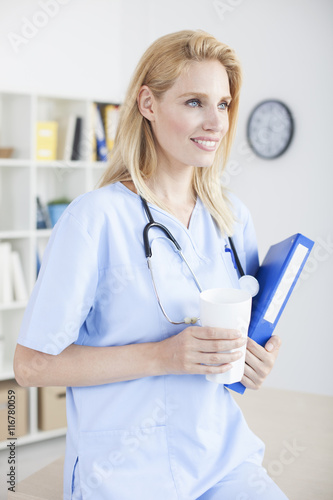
(193, 103)
(223, 105)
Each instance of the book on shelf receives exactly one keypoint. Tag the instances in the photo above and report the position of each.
(67, 137)
(43, 220)
(104, 124)
(92, 134)
(6, 289)
(70, 136)
(19, 287)
(38, 263)
(101, 148)
(111, 119)
(12, 281)
(76, 147)
(46, 140)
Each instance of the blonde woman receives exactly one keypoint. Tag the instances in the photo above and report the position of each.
(144, 423)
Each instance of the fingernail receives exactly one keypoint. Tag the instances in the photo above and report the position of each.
(269, 346)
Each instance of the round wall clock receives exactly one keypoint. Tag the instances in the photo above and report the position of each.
(270, 129)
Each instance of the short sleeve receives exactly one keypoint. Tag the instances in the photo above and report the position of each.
(65, 290)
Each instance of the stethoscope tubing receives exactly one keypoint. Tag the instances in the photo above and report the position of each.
(152, 223)
(247, 280)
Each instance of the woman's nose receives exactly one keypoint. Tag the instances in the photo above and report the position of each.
(216, 120)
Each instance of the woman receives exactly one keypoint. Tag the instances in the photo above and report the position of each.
(143, 421)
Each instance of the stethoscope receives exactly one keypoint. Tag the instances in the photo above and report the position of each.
(246, 282)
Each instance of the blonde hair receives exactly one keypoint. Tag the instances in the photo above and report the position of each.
(134, 153)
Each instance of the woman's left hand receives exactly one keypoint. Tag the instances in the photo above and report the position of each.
(259, 361)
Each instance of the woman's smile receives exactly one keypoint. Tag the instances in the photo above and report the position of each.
(206, 144)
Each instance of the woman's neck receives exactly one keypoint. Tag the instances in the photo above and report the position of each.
(172, 184)
(175, 192)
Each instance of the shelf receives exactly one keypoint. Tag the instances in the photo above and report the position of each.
(36, 437)
(17, 235)
(11, 306)
(15, 190)
(12, 162)
(62, 164)
(71, 164)
(54, 183)
(7, 372)
(22, 180)
(42, 233)
(99, 164)
(14, 235)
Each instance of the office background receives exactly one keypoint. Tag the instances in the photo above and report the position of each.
(89, 49)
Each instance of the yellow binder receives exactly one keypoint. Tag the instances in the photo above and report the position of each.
(46, 140)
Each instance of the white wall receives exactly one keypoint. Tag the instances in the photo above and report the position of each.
(76, 53)
(89, 48)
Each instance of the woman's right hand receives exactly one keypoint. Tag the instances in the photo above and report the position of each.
(197, 349)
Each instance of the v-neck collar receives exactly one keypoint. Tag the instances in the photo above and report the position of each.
(164, 212)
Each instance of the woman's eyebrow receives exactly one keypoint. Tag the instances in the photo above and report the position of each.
(203, 96)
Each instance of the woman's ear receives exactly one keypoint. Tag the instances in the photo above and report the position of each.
(145, 102)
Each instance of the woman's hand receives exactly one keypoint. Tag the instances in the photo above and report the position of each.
(259, 361)
(196, 349)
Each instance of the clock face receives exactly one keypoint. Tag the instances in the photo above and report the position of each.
(270, 129)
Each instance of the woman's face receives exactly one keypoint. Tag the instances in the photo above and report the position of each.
(191, 118)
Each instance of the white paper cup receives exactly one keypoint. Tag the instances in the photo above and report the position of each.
(227, 308)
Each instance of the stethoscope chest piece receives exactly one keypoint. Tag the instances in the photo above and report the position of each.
(246, 281)
(249, 283)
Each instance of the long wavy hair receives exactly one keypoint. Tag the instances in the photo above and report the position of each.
(134, 154)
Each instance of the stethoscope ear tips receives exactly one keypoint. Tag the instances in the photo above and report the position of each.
(249, 284)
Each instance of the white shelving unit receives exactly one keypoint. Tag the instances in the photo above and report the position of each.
(22, 179)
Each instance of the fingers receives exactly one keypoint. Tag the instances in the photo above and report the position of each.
(255, 349)
(259, 361)
(266, 356)
(210, 333)
(216, 340)
(255, 371)
(215, 346)
(210, 369)
(273, 344)
(205, 350)
(248, 382)
(217, 358)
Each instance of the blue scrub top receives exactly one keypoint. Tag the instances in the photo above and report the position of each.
(166, 437)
